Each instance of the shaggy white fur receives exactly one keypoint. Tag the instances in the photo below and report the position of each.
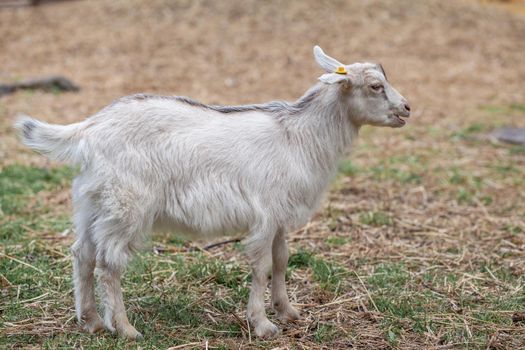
(155, 162)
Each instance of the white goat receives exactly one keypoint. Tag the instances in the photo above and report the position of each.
(155, 162)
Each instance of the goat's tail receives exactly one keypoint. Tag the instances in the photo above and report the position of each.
(59, 142)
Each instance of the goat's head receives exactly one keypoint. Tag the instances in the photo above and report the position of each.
(365, 89)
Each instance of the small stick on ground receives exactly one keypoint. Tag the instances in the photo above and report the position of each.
(218, 244)
(50, 83)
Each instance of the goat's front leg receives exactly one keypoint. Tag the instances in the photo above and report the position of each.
(281, 304)
(115, 317)
(260, 255)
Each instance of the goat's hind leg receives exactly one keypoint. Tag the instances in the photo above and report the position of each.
(83, 277)
(84, 258)
(115, 245)
(115, 316)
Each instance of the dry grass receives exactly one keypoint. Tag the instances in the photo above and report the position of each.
(421, 242)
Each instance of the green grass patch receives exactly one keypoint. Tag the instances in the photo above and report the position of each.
(410, 304)
(389, 275)
(388, 172)
(329, 275)
(324, 333)
(517, 150)
(494, 109)
(508, 109)
(518, 107)
(301, 259)
(470, 131)
(18, 183)
(376, 218)
(337, 241)
(513, 229)
(348, 168)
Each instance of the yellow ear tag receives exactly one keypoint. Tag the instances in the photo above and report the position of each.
(341, 70)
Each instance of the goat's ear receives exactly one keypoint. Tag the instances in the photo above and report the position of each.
(326, 62)
(334, 78)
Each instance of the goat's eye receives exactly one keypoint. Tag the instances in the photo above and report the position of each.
(377, 87)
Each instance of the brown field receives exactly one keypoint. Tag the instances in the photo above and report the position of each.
(420, 243)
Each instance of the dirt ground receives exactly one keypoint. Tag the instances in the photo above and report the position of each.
(460, 64)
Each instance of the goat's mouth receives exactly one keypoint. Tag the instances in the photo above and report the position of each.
(398, 120)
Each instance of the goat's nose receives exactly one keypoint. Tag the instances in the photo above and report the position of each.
(407, 107)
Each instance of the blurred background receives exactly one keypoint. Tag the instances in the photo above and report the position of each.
(445, 56)
(438, 204)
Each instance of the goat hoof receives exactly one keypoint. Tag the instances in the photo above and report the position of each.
(93, 326)
(130, 332)
(266, 330)
(289, 314)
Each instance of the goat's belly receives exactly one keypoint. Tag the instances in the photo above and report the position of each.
(206, 209)
(203, 223)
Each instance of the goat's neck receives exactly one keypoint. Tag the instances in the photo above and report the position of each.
(323, 132)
